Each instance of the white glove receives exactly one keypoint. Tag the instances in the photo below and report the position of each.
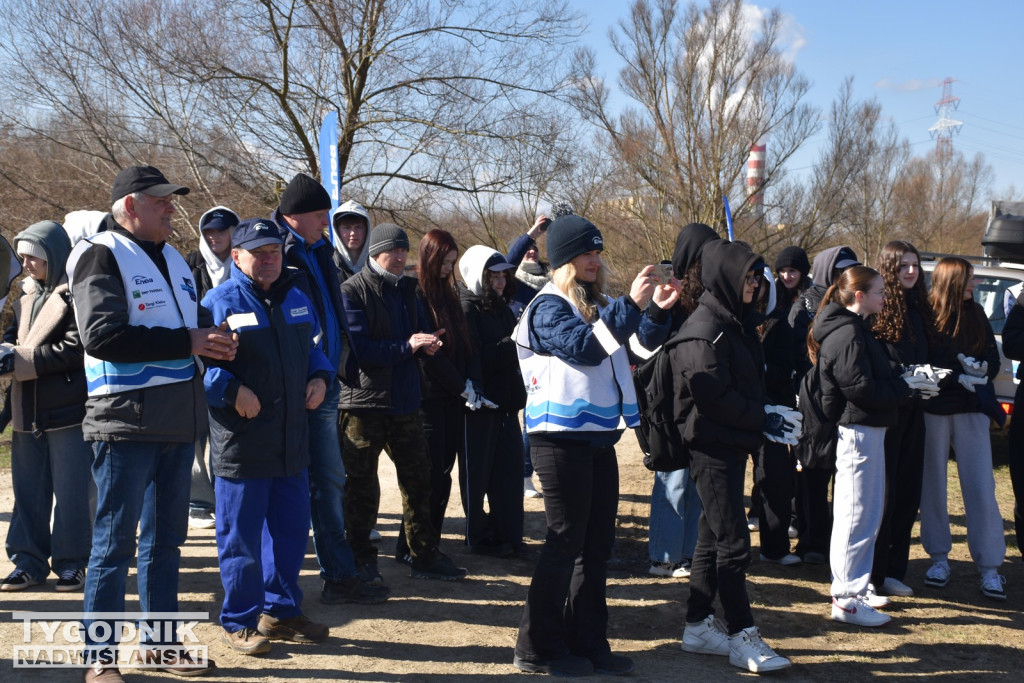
(472, 399)
(486, 402)
(930, 371)
(970, 383)
(921, 385)
(783, 425)
(973, 367)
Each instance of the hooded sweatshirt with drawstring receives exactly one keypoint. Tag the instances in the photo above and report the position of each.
(348, 263)
(48, 391)
(208, 269)
(803, 310)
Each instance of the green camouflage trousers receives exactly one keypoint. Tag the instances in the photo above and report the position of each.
(363, 435)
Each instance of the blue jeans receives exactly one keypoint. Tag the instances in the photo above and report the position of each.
(262, 529)
(326, 490)
(146, 486)
(54, 465)
(675, 514)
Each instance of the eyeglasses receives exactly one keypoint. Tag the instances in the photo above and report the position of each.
(754, 279)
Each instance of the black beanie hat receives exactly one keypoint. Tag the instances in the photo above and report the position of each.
(303, 195)
(387, 236)
(793, 257)
(570, 236)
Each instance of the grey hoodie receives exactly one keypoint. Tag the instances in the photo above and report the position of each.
(51, 238)
(350, 264)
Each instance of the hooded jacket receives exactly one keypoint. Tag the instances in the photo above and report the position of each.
(490, 332)
(803, 310)
(48, 391)
(855, 370)
(349, 264)
(721, 369)
(208, 270)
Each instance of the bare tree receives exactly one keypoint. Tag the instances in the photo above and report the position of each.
(231, 93)
(704, 86)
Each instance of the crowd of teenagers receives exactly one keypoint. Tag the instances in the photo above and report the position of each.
(251, 386)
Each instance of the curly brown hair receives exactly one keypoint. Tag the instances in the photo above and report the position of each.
(891, 323)
(691, 288)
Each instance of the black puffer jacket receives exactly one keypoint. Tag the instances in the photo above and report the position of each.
(855, 370)
(491, 332)
(722, 369)
(953, 398)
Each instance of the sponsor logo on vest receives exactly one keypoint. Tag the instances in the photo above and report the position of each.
(142, 307)
(188, 287)
(302, 310)
(136, 294)
(142, 280)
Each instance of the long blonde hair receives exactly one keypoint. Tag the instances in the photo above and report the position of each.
(585, 296)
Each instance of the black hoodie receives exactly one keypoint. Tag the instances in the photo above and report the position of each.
(722, 368)
(855, 369)
(802, 312)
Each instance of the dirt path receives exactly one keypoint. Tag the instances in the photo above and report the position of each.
(434, 631)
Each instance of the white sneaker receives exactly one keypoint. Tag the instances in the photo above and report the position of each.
(786, 560)
(748, 651)
(937, 575)
(872, 597)
(201, 519)
(896, 587)
(529, 491)
(670, 570)
(992, 583)
(754, 524)
(793, 532)
(706, 638)
(374, 536)
(855, 611)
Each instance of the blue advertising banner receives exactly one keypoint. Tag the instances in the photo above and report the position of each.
(330, 175)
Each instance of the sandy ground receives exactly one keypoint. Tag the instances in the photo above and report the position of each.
(435, 631)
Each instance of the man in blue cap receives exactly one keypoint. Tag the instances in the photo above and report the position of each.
(259, 440)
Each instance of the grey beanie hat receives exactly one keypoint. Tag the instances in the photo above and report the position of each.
(387, 236)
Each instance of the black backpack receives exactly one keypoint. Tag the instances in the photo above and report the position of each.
(660, 433)
(820, 426)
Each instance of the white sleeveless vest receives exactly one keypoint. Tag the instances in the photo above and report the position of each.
(561, 397)
(152, 302)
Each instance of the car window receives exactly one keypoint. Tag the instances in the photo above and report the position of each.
(991, 292)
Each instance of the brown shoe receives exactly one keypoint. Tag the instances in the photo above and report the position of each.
(248, 641)
(298, 629)
(98, 673)
(177, 661)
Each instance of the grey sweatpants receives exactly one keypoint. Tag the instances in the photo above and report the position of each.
(858, 498)
(968, 433)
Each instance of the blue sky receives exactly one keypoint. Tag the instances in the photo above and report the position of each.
(899, 52)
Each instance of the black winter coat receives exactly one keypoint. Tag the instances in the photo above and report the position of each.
(490, 333)
(1013, 335)
(855, 370)
(720, 376)
(953, 398)
(445, 373)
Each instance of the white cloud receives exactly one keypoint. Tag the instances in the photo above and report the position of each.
(911, 85)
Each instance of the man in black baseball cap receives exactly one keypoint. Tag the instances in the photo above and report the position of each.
(145, 179)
